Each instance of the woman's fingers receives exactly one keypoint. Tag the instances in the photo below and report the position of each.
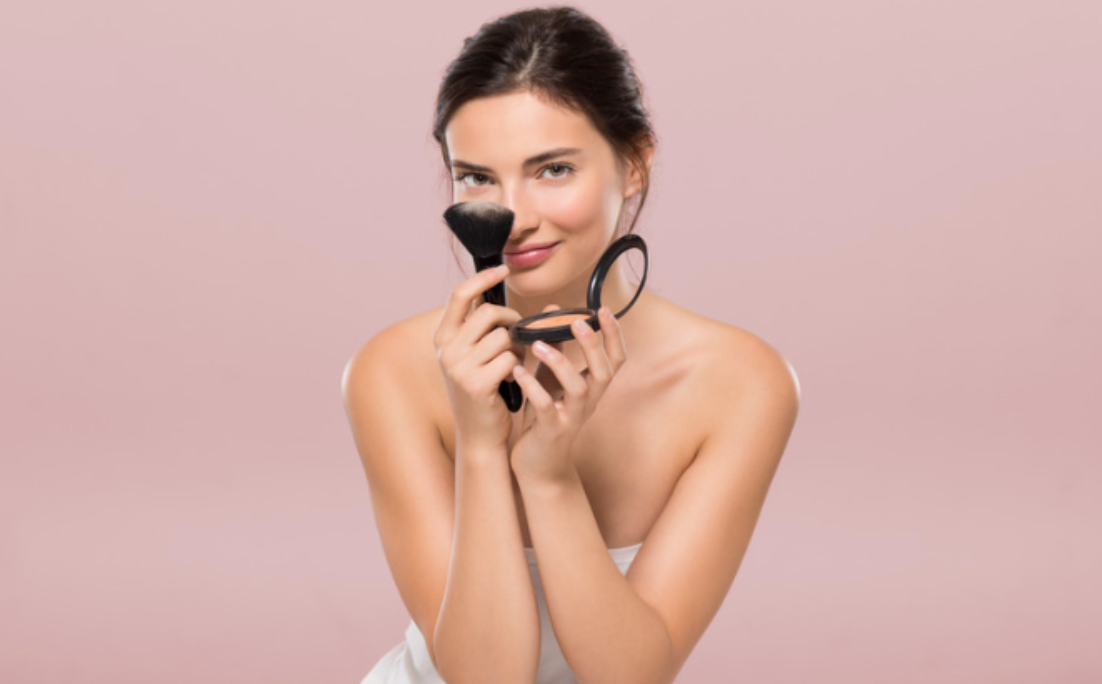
(462, 298)
(538, 398)
(555, 376)
(490, 346)
(613, 338)
(484, 319)
(548, 380)
(574, 386)
(598, 364)
(543, 374)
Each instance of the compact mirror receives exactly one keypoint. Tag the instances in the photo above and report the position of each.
(554, 326)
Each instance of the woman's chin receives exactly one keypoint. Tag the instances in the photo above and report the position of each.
(534, 284)
(546, 281)
(532, 292)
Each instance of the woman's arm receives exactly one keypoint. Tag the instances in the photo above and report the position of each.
(640, 629)
(450, 534)
(488, 628)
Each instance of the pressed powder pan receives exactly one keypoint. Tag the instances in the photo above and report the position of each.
(554, 326)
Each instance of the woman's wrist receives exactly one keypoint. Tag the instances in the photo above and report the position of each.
(478, 454)
(564, 476)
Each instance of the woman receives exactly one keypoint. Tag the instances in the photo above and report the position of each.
(593, 535)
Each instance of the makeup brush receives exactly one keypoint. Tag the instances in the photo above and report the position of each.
(483, 228)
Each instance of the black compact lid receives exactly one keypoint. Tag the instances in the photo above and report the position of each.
(521, 330)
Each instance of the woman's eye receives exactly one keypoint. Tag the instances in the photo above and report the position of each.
(465, 177)
(563, 169)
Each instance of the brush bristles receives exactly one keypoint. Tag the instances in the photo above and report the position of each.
(482, 227)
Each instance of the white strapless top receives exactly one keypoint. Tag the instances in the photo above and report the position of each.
(409, 663)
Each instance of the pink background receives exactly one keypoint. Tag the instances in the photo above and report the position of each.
(207, 207)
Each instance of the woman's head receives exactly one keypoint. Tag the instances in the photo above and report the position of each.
(557, 69)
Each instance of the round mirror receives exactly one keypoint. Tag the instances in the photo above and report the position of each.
(554, 326)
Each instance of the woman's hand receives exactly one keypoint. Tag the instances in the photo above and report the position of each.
(475, 354)
(550, 425)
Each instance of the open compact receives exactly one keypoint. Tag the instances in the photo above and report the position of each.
(554, 326)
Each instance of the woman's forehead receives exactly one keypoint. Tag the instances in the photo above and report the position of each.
(505, 129)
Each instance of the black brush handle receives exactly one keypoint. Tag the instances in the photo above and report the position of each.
(496, 294)
(509, 391)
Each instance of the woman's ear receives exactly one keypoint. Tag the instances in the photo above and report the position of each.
(635, 179)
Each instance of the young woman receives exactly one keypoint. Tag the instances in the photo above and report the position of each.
(592, 536)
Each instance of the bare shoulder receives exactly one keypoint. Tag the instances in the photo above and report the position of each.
(406, 339)
(404, 343)
(728, 367)
(752, 389)
(398, 362)
(739, 357)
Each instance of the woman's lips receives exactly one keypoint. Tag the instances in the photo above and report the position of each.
(526, 259)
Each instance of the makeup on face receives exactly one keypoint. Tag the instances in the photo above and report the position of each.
(554, 326)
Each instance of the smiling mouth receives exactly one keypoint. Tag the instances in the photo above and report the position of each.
(530, 257)
(530, 248)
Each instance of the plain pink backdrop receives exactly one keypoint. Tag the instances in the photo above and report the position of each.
(207, 207)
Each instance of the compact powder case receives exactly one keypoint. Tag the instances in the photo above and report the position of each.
(554, 326)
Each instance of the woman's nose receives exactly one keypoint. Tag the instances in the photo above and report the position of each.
(524, 214)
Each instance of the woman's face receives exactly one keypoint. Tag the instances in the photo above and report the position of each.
(554, 170)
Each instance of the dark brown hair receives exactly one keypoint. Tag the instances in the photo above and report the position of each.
(564, 56)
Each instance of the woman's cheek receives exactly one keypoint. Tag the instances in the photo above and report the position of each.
(572, 208)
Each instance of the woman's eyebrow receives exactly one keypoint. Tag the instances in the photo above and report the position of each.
(530, 162)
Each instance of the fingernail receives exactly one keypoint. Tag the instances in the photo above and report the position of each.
(541, 347)
(580, 326)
